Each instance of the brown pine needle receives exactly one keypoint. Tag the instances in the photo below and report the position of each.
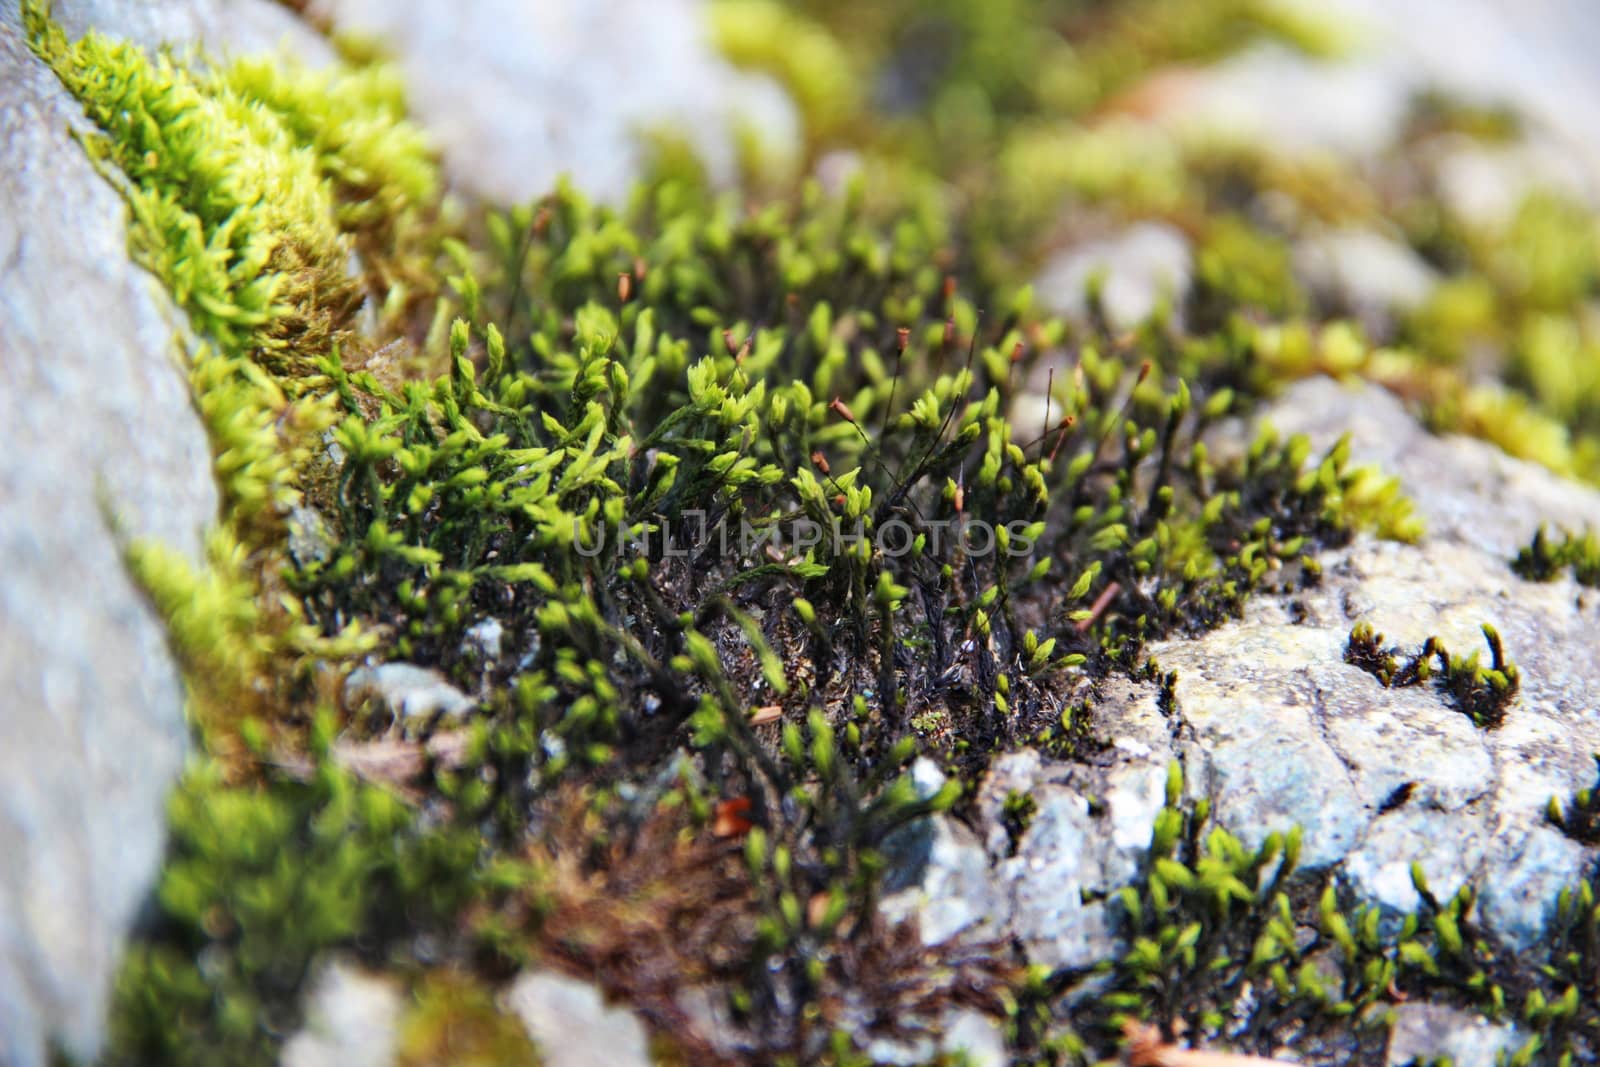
(1146, 1049)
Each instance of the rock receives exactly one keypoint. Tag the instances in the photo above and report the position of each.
(1354, 107)
(1423, 1033)
(218, 27)
(1273, 95)
(1380, 777)
(1485, 184)
(573, 1026)
(967, 1036)
(101, 433)
(405, 692)
(1276, 730)
(310, 540)
(485, 639)
(518, 94)
(940, 874)
(1469, 491)
(352, 1020)
(976, 1037)
(1087, 837)
(1139, 268)
(1365, 272)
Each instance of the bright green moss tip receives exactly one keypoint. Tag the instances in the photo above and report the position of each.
(246, 182)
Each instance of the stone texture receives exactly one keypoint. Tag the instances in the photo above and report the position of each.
(1365, 273)
(572, 1024)
(403, 692)
(941, 875)
(517, 94)
(101, 437)
(219, 27)
(969, 1037)
(1425, 1032)
(1343, 747)
(352, 1020)
(99, 424)
(1532, 57)
(1138, 268)
(1275, 728)
(1073, 853)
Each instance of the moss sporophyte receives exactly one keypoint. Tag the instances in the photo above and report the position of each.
(681, 769)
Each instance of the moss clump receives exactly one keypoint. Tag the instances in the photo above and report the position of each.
(247, 181)
(1365, 649)
(228, 210)
(249, 186)
(1232, 949)
(1580, 819)
(1031, 112)
(259, 880)
(1481, 693)
(1542, 559)
(455, 1020)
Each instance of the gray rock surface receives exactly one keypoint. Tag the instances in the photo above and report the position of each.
(1366, 272)
(972, 1038)
(517, 94)
(1086, 838)
(101, 433)
(1137, 268)
(941, 875)
(572, 1024)
(1424, 1032)
(99, 423)
(352, 1020)
(403, 692)
(1275, 728)
(218, 27)
(1379, 777)
(1534, 57)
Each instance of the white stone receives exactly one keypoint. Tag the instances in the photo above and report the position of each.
(518, 94)
(572, 1024)
(1139, 267)
(352, 1020)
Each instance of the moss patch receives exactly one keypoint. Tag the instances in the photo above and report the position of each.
(765, 497)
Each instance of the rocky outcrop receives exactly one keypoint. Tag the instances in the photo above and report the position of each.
(1273, 726)
(517, 95)
(103, 445)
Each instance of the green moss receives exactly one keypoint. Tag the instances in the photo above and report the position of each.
(227, 210)
(1580, 818)
(1542, 559)
(1481, 693)
(687, 761)
(245, 181)
(772, 37)
(455, 1020)
(261, 879)
(249, 185)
